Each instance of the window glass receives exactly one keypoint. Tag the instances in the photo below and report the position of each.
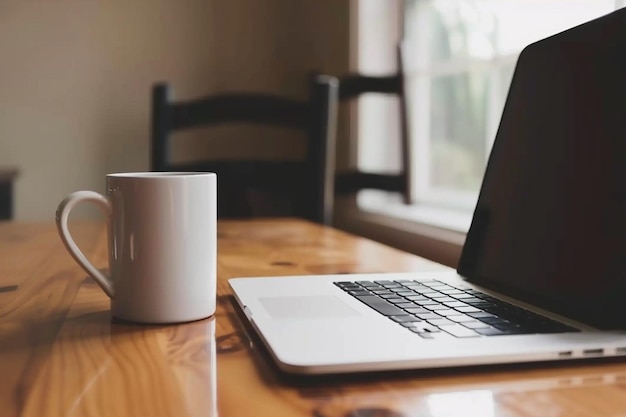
(460, 56)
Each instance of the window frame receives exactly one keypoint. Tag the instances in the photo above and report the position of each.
(441, 244)
(440, 241)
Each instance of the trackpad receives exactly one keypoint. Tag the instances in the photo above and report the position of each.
(307, 307)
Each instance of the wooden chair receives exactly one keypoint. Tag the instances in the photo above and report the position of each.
(349, 182)
(251, 188)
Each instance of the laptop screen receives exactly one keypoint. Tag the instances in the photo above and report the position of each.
(550, 223)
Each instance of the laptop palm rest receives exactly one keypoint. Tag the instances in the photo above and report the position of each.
(307, 307)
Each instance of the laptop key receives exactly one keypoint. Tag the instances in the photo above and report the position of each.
(359, 292)
(375, 288)
(431, 293)
(457, 330)
(512, 329)
(443, 299)
(475, 324)
(427, 303)
(440, 322)
(482, 306)
(494, 321)
(404, 305)
(480, 315)
(468, 309)
(405, 293)
(460, 318)
(423, 328)
(417, 287)
(476, 301)
(434, 336)
(416, 310)
(465, 296)
(383, 292)
(380, 305)
(428, 316)
(404, 319)
(437, 307)
(455, 304)
(452, 292)
(447, 312)
(489, 331)
(388, 294)
(417, 298)
(412, 323)
(429, 282)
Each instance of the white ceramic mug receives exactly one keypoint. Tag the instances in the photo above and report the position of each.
(162, 244)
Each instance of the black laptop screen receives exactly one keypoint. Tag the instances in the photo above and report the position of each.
(551, 217)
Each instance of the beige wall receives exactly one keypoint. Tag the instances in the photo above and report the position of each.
(75, 76)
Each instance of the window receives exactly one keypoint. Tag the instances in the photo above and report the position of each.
(460, 57)
(461, 54)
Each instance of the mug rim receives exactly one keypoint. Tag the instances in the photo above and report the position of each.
(159, 175)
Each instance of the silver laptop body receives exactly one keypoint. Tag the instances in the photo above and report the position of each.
(542, 275)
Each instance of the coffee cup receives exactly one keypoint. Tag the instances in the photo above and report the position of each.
(162, 244)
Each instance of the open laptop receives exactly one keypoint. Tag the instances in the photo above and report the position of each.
(542, 275)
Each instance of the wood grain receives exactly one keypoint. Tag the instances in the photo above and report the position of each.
(62, 355)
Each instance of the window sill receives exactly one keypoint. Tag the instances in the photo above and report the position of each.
(429, 233)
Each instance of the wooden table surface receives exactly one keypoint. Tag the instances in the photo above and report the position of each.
(61, 355)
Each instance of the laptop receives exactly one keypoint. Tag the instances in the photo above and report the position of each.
(542, 274)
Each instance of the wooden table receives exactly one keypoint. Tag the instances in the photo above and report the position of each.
(61, 355)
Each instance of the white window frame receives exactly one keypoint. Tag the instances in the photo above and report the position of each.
(372, 51)
(436, 234)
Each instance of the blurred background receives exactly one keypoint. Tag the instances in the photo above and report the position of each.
(76, 77)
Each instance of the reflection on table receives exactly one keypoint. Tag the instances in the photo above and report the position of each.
(62, 355)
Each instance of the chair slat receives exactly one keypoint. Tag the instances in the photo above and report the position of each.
(297, 188)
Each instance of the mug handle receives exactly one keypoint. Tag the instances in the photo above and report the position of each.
(62, 215)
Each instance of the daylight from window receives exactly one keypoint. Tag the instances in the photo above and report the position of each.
(460, 56)
(460, 59)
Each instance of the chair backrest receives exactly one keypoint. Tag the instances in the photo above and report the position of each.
(352, 86)
(249, 187)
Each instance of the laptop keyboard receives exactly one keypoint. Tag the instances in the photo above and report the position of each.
(434, 309)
